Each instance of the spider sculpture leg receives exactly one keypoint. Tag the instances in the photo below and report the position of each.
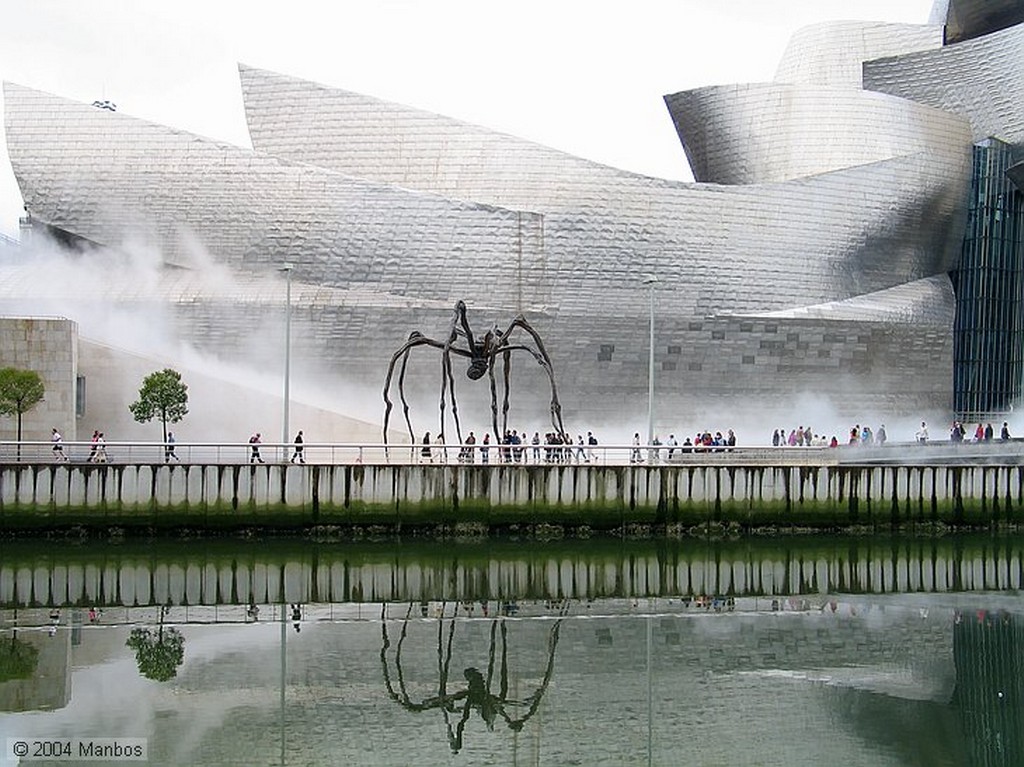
(443, 700)
(448, 381)
(401, 359)
(494, 401)
(400, 696)
(533, 701)
(504, 347)
(506, 358)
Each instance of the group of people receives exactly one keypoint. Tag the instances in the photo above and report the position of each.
(862, 435)
(515, 447)
(298, 452)
(982, 433)
(554, 447)
(701, 442)
(804, 436)
(97, 447)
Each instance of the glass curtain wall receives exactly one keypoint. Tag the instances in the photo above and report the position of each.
(989, 284)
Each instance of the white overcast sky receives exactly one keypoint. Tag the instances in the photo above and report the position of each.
(584, 76)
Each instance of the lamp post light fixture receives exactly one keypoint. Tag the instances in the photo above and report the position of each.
(651, 281)
(287, 269)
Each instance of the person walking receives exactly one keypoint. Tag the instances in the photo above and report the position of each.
(299, 448)
(254, 442)
(58, 446)
(169, 449)
(100, 446)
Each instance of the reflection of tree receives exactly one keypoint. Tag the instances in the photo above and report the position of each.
(479, 694)
(18, 659)
(158, 653)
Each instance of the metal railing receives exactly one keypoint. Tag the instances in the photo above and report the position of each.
(233, 453)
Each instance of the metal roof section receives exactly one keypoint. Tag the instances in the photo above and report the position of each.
(771, 132)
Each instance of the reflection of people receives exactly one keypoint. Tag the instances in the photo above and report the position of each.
(296, 617)
(298, 449)
(922, 433)
(253, 611)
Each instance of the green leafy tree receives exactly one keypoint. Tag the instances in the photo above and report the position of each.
(18, 659)
(162, 396)
(20, 391)
(157, 653)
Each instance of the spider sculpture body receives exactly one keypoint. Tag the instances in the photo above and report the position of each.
(483, 353)
(492, 702)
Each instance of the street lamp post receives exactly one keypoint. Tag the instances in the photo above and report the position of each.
(651, 281)
(287, 269)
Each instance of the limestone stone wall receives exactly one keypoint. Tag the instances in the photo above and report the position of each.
(49, 346)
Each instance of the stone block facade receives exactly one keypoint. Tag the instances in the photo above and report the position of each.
(49, 346)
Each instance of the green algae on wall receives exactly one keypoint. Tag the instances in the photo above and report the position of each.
(222, 497)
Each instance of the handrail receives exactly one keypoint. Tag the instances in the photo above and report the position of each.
(376, 453)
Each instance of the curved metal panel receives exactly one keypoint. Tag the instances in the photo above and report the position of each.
(395, 144)
(979, 79)
(748, 134)
(929, 300)
(833, 52)
(575, 270)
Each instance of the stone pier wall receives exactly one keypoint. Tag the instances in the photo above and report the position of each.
(221, 496)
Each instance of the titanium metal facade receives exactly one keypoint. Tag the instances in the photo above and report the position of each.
(979, 77)
(822, 272)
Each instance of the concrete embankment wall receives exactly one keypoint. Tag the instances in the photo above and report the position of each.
(221, 496)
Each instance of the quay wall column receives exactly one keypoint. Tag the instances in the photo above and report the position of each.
(604, 497)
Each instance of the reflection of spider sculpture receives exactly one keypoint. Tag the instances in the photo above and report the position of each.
(479, 694)
(481, 353)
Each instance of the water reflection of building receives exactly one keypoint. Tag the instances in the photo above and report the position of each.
(870, 683)
(988, 652)
(214, 574)
(49, 686)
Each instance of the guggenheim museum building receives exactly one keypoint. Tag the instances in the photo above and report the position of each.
(854, 237)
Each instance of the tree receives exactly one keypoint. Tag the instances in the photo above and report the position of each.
(162, 396)
(20, 391)
(158, 653)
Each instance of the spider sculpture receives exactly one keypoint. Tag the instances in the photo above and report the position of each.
(479, 694)
(482, 353)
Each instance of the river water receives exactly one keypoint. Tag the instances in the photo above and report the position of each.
(787, 651)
